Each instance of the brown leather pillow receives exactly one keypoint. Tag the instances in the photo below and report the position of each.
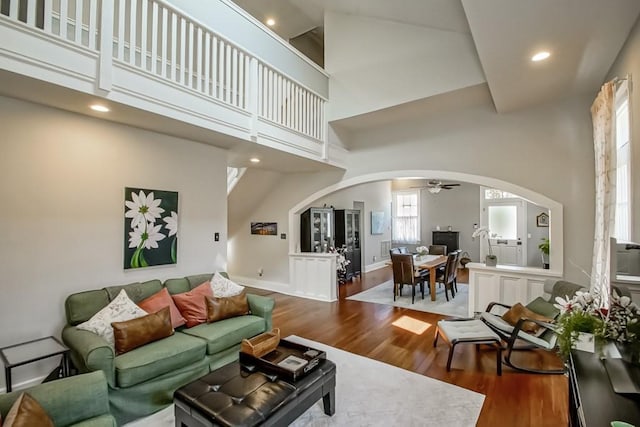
(518, 311)
(27, 412)
(138, 332)
(219, 308)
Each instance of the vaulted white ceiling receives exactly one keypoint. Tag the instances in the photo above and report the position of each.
(583, 36)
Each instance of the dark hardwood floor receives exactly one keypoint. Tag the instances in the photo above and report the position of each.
(514, 399)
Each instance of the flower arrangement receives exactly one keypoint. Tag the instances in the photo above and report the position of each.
(585, 312)
(341, 263)
(422, 250)
(484, 233)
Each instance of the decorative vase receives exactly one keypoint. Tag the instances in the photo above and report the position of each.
(491, 261)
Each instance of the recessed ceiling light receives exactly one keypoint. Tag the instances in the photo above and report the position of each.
(254, 160)
(99, 108)
(271, 22)
(540, 56)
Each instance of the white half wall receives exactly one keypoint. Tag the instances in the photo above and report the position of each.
(375, 63)
(62, 179)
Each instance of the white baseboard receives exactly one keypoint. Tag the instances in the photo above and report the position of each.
(375, 266)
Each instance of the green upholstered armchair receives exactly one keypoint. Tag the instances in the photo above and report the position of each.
(81, 400)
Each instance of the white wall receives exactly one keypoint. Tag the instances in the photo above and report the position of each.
(377, 63)
(547, 149)
(534, 256)
(237, 25)
(628, 62)
(62, 179)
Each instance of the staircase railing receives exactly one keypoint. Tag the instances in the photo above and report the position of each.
(163, 42)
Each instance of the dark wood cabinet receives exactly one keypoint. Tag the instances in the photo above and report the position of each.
(316, 230)
(449, 238)
(347, 222)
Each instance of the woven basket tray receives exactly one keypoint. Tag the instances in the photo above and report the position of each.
(261, 344)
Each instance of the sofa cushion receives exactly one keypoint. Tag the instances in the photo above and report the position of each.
(177, 286)
(118, 310)
(192, 304)
(223, 287)
(228, 332)
(157, 358)
(158, 301)
(135, 333)
(136, 291)
(81, 306)
(226, 307)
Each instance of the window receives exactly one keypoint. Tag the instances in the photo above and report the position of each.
(623, 163)
(503, 221)
(492, 193)
(406, 217)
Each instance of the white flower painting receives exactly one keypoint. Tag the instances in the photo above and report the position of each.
(151, 227)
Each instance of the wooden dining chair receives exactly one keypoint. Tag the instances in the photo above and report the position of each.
(404, 273)
(437, 249)
(448, 276)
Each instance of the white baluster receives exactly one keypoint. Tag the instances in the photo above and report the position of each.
(241, 82)
(182, 49)
(48, 7)
(199, 58)
(31, 13)
(133, 6)
(191, 48)
(234, 76)
(207, 62)
(93, 16)
(14, 9)
(106, 45)
(227, 74)
(174, 46)
(121, 16)
(154, 38)
(165, 37)
(144, 10)
(64, 11)
(214, 67)
(288, 105)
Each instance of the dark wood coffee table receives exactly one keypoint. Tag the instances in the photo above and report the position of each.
(233, 396)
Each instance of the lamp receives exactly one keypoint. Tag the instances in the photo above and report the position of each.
(434, 190)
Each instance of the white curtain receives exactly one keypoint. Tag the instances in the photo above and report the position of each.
(602, 113)
(406, 229)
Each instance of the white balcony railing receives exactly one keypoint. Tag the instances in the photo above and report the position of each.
(162, 42)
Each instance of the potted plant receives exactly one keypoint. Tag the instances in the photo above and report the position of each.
(544, 249)
(483, 232)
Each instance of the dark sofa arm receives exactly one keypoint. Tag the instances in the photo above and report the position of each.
(90, 352)
(81, 398)
(263, 307)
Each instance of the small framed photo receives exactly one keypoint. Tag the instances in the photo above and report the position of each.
(264, 228)
(542, 220)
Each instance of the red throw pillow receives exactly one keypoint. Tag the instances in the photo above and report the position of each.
(192, 304)
(160, 300)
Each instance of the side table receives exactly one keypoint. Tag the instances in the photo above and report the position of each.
(32, 351)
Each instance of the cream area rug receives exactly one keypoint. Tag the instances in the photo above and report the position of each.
(383, 294)
(372, 393)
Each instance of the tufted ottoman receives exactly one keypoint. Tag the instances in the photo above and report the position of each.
(231, 396)
(469, 331)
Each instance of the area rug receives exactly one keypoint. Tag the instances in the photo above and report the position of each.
(383, 294)
(372, 393)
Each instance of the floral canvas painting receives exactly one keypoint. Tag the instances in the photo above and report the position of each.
(150, 227)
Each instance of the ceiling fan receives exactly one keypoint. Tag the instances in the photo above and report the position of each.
(434, 186)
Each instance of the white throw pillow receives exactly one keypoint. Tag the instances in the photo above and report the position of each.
(223, 287)
(119, 310)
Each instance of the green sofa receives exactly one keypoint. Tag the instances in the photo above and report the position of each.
(80, 401)
(142, 381)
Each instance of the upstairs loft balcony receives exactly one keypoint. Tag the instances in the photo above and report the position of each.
(149, 55)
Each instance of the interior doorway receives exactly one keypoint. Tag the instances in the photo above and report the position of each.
(506, 219)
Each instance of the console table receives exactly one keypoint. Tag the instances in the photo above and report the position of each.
(592, 401)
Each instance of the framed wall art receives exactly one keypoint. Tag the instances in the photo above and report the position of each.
(542, 220)
(264, 228)
(150, 227)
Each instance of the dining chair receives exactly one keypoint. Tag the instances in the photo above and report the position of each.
(403, 250)
(394, 251)
(437, 249)
(404, 273)
(447, 277)
(455, 269)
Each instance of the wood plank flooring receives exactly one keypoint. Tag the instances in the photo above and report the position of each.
(514, 399)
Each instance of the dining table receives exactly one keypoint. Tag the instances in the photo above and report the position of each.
(431, 263)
